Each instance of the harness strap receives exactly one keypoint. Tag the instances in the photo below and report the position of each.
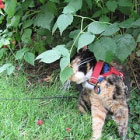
(113, 71)
(96, 72)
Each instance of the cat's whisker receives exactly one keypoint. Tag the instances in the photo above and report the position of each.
(85, 62)
(86, 59)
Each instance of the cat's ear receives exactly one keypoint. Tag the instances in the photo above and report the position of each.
(85, 48)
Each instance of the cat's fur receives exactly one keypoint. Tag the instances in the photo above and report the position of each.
(112, 98)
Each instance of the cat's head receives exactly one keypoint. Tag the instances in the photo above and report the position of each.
(82, 64)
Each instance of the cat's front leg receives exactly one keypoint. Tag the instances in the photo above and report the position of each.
(120, 114)
(121, 118)
(84, 103)
(98, 118)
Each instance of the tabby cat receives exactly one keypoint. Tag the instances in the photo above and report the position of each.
(112, 98)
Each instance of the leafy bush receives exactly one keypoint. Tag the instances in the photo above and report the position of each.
(110, 28)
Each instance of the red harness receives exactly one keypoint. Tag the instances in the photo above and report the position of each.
(97, 70)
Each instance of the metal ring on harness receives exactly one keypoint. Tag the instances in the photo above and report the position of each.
(97, 89)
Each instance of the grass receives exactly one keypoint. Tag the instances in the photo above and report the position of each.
(18, 119)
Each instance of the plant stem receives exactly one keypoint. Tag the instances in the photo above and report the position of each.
(74, 43)
(84, 17)
(79, 33)
(35, 12)
(82, 30)
(136, 6)
(82, 24)
(91, 19)
(11, 51)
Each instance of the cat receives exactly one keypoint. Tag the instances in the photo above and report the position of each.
(112, 97)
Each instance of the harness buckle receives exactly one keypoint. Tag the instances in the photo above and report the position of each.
(93, 80)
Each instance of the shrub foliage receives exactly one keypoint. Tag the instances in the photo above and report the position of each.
(55, 29)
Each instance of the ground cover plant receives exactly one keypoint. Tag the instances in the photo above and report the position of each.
(53, 30)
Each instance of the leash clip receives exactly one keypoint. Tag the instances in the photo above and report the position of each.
(97, 89)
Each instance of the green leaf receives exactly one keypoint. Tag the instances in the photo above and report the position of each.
(104, 49)
(4, 41)
(15, 21)
(104, 19)
(4, 67)
(62, 50)
(136, 126)
(10, 70)
(111, 29)
(64, 62)
(52, 8)
(56, 1)
(125, 45)
(97, 27)
(138, 38)
(44, 18)
(126, 10)
(32, 4)
(89, 3)
(73, 34)
(65, 74)
(136, 23)
(2, 52)
(10, 7)
(72, 7)
(26, 4)
(49, 56)
(111, 5)
(42, 1)
(127, 23)
(131, 135)
(27, 23)
(20, 53)
(30, 58)
(105, 11)
(125, 3)
(64, 21)
(26, 37)
(97, 14)
(85, 39)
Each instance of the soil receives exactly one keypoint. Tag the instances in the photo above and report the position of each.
(41, 72)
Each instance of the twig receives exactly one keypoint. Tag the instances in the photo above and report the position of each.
(134, 88)
(138, 86)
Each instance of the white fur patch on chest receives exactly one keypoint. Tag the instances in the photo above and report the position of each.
(88, 85)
